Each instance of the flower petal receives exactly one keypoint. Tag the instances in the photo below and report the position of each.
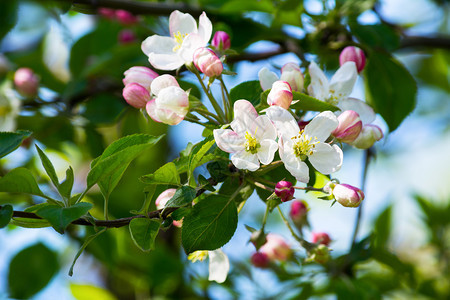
(267, 151)
(365, 112)
(151, 110)
(295, 166)
(342, 82)
(244, 116)
(319, 87)
(219, 266)
(159, 50)
(326, 159)
(173, 98)
(228, 140)
(204, 28)
(245, 160)
(266, 78)
(263, 128)
(322, 126)
(283, 121)
(191, 43)
(181, 22)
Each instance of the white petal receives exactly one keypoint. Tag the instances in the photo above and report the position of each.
(219, 266)
(284, 122)
(245, 160)
(263, 128)
(244, 116)
(180, 22)
(326, 159)
(296, 167)
(343, 80)
(191, 43)
(266, 78)
(322, 126)
(228, 140)
(173, 98)
(365, 112)
(204, 28)
(319, 87)
(267, 151)
(159, 50)
(151, 110)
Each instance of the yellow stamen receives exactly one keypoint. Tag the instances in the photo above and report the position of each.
(179, 38)
(304, 145)
(251, 144)
(198, 256)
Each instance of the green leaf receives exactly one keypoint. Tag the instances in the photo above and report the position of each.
(210, 224)
(248, 90)
(390, 88)
(143, 232)
(166, 174)
(61, 217)
(149, 192)
(376, 36)
(108, 169)
(308, 103)
(10, 141)
(65, 188)
(183, 196)
(88, 292)
(31, 270)
(382, 228)
(6, 213)
(20, 180)
(197, 155)
(48, 166)
(30, 223)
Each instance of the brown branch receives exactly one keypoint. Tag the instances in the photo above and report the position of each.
(442, 41)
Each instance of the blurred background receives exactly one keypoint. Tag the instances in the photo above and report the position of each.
(79, 56)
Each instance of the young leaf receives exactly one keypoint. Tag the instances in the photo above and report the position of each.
(210, 224)
(6, 213)
(390, 88)
(196, 156)
(143, 232)
(308, 103)
(166, 174)
(20, 180)
(65, 188)
(48, 166)
(249, 90)
(10, 141)
(182, 197)
(61, 217)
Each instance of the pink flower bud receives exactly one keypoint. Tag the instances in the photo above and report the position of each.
(298, 212)
(284, 190)
(292, 74)
(107, 13)
(142, 75)
(207, 62)
(349, 126)
(354, 54)
(125, 17)
(161, 201)
(136, 95)
(321, 238)
(280, 94)
(347, 195)
(162, 82)
(170, 106)
(368, 136)
(276, 248)
(126, 36)
(260, 260)
(221, 40)
(26, 82)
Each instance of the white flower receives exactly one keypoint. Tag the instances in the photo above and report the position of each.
(297, 145)
(170, 53)
(9, 107)
(252, 139)
(290, 73)
(219, 265)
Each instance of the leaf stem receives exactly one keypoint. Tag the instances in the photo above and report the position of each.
(230, 107)
(308, 246)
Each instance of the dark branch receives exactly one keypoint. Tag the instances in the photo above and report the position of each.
(426, 42)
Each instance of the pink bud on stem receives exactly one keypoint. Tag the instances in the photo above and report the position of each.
(349, 127)
(207, 62)
(221, 40)
(26, 82)
(284, 190)
(355, 54)
(280, 94)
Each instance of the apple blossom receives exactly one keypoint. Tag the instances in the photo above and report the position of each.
(221, 40)
(136, 95)
(26, 82)
(142, 75)
(137, 83)
(349, 127)
(368, 136)
(170, 53)
(298, 212)
(355, 55)
(290, 73)
(207, 62)
(219, 265)
(126, 36)
(162, 199)
(276, 248)
(321, 238)
(260, 260)
(284, 190)
(347, 195)
(251, 140)
(171, 103)
(125, 17)
(297, 145)
(9, 107)
(280, 94)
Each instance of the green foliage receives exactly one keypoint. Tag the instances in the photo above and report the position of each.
(210, 224)
(87, 292)
(183, 196)
(248, 90)
(143, 232)
(391, 89)
(23, 268)
(20, 180)
(61, 217)
(383, 227)
(308, 103)
(6, 213)
(379, 36)
(10, 141)
(167, 174)
(196, 157)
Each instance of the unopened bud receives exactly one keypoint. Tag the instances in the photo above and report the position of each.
(280, 94)
(284, 190)
(207, 62)
(108, 13)
(161, 202)
(368, 136)
(348, 195)
(276, 248)
(321, 238)
(170, 106)
(136, 95)
(260, 260)
(258, 238)
(26, 82)
(221, 40)
(142, 75)
(349, 126)
(320, 254)
(162, 82)
(125, 17)
(354, 54)
(299, 212)
(126, 36)
(292, 74)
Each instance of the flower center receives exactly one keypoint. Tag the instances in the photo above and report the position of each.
(304, 145)
(5, 110)
(179, 38)
(198, 256)
(334, 99)
(251, 143)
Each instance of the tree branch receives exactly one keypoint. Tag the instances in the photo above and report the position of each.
(442, 41)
